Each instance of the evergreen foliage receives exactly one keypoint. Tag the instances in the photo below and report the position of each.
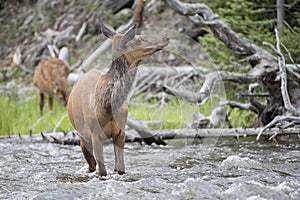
(256, 21)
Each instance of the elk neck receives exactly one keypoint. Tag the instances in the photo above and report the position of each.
(120, 78)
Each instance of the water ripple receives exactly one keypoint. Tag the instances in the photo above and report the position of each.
(224, 171)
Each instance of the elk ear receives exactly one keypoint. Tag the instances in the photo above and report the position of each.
(129, 35)
(107, 30)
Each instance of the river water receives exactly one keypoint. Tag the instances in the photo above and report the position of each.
(180, 170)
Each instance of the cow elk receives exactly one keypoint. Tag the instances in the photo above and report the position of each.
(51, 79)
(98, 103)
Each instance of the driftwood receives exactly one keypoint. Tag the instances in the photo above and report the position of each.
(145, 70)
(211, 79)
(39, 120)
(239, 134)
(144, 132)
(278, 119)
(115, 6)
(33, 54)
(153, 78)
(59, 122)
(60, 38)
(208, 136)
(81, 32)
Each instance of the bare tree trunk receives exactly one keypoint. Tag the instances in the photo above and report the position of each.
(280, 16)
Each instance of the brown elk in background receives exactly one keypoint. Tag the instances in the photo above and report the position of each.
(51, 79)
(98, 103)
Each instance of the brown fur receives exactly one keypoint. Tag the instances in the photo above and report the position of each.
(51, 79)
(98, 106)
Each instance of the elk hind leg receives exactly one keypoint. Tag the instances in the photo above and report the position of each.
(87, 150)
(98, 150)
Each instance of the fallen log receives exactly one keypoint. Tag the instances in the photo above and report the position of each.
(219, 132)
(144, 132)
(276, 135)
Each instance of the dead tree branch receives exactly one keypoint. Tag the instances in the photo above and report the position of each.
(59, 122)
(277, 120)
(144, 132)
(282, 68)
(234, 104)
(39, 120)
(211, 79)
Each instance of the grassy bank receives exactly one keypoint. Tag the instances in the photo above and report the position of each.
(18, 116)
(174, 114)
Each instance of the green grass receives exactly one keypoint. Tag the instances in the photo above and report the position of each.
(241, 118)
(18, 117)
(175, 114)
(172, 114)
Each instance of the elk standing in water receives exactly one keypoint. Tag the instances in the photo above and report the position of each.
(51, 79)
(98, 105)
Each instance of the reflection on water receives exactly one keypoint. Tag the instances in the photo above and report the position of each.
(227, 170)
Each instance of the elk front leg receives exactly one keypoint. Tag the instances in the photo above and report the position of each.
(98, 150)
(50, 103)
(119, 143)
(41, 102)
(87, 150)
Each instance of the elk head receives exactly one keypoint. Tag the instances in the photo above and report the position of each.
(134, 47)
(60, 94)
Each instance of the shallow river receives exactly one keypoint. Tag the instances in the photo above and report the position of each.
(180, 170)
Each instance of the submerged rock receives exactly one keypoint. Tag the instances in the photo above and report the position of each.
(237, 162)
